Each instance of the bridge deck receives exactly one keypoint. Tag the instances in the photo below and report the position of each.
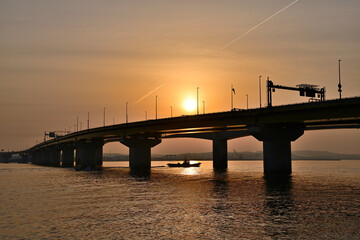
(341, 112)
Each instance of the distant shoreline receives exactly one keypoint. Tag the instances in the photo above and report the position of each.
(304, 155)
(240, 156)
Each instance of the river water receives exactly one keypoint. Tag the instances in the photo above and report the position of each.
(320, 200)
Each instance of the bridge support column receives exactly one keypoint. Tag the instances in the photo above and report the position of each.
(24, 158)
(45, 157)
(140, 151)
(35, 157)
(277, 147)
(220, 153)
(39, 157)
(5, 158)
(67, 156)
(54, 157)
(89, 155)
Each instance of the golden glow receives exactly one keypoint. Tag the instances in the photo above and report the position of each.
(190, 170)
(190, 105)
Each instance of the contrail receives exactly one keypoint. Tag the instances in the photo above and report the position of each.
(149, 93)
(257, 25)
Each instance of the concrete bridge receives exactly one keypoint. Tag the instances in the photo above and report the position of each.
(5, 156)
(276, 127)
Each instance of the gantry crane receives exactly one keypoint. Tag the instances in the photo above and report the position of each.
(307, 90)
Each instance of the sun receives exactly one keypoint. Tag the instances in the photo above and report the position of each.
(190, 105)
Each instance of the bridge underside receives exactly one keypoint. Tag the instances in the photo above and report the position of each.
(276, 145)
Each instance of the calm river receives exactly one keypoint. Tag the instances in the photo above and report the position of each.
(320, 200)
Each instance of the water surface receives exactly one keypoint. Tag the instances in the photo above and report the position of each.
(320, 200)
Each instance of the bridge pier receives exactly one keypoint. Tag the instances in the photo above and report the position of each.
(5, 158)
(49, 156)
(277, 146)
(24, 158)
(89, 155)
(140, 151)
(52, 156)
(44, 156)
(35, 157)
(67, 156)
(220, 153)
(39, 157)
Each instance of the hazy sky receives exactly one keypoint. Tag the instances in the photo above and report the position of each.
(63, 59)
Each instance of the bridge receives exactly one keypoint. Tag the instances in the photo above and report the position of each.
(276, 127)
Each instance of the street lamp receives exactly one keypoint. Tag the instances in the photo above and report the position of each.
(247, 101)
(104, 117)
(339, 85)
(126, 115)
(232, 98)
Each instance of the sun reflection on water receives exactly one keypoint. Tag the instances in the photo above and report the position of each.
(190, 170)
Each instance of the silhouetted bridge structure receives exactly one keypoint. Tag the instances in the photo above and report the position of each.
(276, 127)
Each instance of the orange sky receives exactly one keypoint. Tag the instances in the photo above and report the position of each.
(63, 59)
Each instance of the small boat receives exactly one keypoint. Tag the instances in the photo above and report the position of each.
(186, 163)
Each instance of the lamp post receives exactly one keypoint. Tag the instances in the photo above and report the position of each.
(126, 114)
(203, 107)
(104, 117)
(232, 90)
(88, 121)
(339, 85)
(171, 111)
(247, 101)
